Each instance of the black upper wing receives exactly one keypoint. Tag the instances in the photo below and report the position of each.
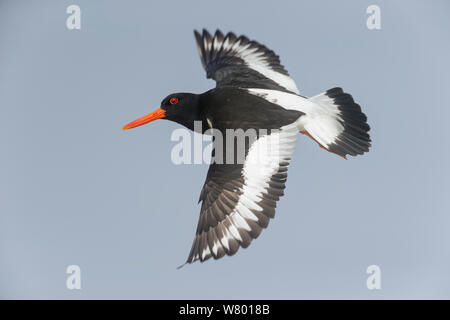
(240, 62)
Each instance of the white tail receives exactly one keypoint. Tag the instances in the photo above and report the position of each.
(337, 123)
(332, 119)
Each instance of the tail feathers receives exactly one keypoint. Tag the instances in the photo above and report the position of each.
(338, 124)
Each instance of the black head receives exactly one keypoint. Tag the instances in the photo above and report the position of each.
(183, 108)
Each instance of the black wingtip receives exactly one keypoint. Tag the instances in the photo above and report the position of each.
(206, 33)
(179, 267)
(198, 37)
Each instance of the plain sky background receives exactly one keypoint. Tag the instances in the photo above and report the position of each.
(76, 189)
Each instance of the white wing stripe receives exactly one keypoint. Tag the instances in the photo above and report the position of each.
(239, 221)
(248, 203)
(255, 178)
(244, 211)
(266, 153)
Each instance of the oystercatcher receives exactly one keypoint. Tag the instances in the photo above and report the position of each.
(254, 91)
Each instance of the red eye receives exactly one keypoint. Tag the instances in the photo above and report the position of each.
(173, 100)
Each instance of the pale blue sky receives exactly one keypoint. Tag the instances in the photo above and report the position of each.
(76, 189)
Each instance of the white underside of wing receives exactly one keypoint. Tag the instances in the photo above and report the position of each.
(262, 162)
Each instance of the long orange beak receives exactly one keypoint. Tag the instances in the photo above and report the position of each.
(157, 114)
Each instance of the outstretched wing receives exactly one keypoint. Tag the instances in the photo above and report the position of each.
(240, 62)
(238, 200)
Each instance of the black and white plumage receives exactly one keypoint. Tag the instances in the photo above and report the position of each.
(239, 200)
(239, 62)
(254, 91)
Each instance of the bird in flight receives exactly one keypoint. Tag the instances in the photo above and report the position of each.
(254, 91)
